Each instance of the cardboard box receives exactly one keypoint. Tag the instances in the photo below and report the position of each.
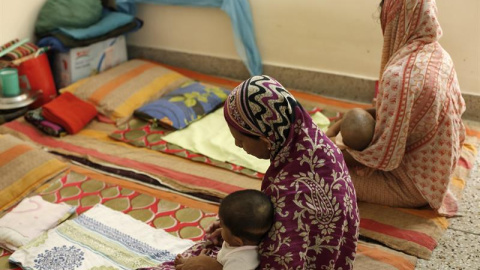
(81, 62)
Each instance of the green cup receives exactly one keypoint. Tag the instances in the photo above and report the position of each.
(10, 84)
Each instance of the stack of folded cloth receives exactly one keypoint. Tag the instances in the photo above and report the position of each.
(66, 114)
(29, 219)
(65, 24)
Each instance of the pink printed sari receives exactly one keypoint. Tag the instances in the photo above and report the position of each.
(419, 130)
(316, 216)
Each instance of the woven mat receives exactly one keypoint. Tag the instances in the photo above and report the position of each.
(178, 215)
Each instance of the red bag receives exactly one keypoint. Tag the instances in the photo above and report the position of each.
(35, 74)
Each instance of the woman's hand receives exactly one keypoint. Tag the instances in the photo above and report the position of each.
(214, 233)
(200, 262)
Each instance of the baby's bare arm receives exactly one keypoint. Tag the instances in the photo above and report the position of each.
(334, 129)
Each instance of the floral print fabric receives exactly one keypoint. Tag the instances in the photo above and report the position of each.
(316, 216)
(184, 105)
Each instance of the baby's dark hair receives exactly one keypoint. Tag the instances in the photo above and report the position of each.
(248, 214)
(357, 128)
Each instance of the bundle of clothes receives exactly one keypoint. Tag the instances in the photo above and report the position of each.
(65, 24)
(66, 114)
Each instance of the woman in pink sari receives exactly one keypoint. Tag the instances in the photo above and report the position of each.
(418, 132)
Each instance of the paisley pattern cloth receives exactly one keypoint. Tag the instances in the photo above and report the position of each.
(419, 132)
(316, 217)
(101, 238)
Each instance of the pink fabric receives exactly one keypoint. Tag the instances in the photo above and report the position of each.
(316, 216)
(419, 127)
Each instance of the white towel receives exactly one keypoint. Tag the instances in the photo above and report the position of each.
(29, 219)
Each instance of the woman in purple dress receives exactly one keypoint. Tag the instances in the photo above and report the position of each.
(316, 216)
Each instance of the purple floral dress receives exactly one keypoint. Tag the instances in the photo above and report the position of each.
(316, 219)
(316, 216)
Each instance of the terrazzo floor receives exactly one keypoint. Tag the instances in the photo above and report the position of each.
(459, 248)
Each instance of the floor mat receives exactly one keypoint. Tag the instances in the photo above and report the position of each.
(415, 231)
(178, 215)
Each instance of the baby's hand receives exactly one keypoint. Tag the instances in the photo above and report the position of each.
(214, 233)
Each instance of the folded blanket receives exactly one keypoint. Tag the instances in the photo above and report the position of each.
(109, 21)
(69, 112)
(60, 42)
(100, 238)
(211, 137)
(30, 218)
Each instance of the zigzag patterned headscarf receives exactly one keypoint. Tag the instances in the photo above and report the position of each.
(261, 106)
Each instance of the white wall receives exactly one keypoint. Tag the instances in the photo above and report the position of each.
(341, 37)
(17, 19)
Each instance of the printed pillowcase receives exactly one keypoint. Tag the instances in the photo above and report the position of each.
(118, 91)
(184, 105)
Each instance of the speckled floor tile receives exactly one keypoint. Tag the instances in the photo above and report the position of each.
(456, 250)
(469, 204)
(459, 248)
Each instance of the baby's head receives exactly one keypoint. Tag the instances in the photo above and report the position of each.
(357, 128)
(245, 217)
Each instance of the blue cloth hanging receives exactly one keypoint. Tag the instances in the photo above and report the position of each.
(240, 16)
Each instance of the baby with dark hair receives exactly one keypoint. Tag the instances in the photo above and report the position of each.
(357, 129)
(245, 217)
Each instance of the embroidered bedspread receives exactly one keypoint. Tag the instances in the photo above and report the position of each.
(100, 238)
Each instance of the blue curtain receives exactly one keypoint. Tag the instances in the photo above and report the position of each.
(240, 16)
